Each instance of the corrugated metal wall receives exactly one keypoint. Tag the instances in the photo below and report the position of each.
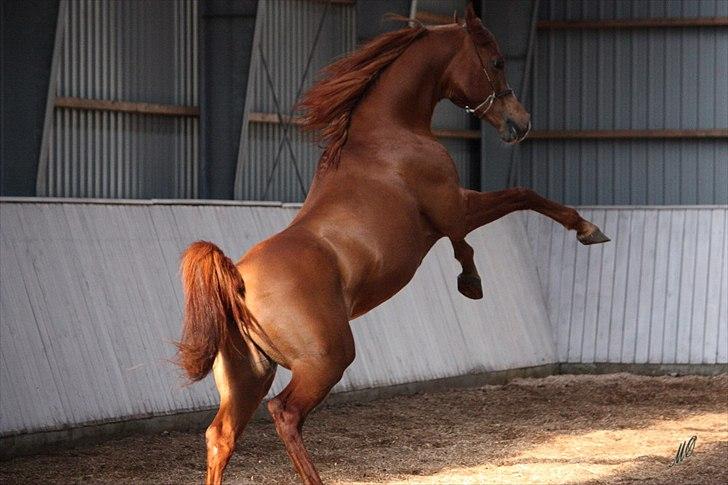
(90, 303)
(510, 22)
(131, 51)
(659, 78)
(658, 293)
(28, 33)
(287, 54)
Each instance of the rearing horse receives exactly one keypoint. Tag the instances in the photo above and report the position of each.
(385, 192)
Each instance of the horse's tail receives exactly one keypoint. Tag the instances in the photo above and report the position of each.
(214, 306)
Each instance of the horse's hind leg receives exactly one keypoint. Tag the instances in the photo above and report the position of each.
(243, 376)
(468, 281)
(313, 376)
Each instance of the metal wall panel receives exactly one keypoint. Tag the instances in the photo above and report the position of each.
(90, 303)
(657, 293)
(131, 51)
(510, 22)
(28, 32)
(286, 43)
(227, 29)
(661, 78)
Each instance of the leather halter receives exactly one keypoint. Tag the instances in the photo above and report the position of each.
(487, 102)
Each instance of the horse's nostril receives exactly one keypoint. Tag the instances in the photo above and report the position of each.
(513, 129)
(517, 131)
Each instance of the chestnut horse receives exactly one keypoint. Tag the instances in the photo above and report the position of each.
(385, 192)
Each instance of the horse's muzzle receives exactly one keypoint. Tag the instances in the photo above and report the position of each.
(514, 132)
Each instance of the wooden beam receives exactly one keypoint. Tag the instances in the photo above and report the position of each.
(624, 134)
(461, 134)
(336, 2)
(273, 119)
(430, 18)
(632, 23)
(127, 107)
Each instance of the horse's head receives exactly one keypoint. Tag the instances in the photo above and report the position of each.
(476, 80)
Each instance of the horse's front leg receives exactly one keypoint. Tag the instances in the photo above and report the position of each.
(468, 281)
(485, 207)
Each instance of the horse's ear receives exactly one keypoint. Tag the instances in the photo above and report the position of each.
(472, 22)
(455, 17)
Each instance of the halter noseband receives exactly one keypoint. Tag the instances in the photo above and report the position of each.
(487, 102)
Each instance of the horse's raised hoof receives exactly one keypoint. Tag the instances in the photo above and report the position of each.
(470, 286)
(596, 236)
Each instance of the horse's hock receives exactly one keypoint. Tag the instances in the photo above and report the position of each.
(539, 312)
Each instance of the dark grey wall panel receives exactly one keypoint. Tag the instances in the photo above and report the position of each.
(28, 33)
(510, 22)
(642, 172)
(227, 28)
(370, 17)
(660, 78)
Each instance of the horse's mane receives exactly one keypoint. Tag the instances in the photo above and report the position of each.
(328, 105)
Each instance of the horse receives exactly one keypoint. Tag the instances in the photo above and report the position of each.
(384, 192)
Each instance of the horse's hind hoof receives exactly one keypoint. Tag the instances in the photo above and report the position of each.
(596, 236)
(470, 286)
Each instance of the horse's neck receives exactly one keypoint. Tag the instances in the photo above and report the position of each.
(405, 95)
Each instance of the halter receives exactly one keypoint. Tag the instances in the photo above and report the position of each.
(488, 102)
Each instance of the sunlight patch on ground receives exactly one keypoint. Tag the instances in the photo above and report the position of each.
(591, 456)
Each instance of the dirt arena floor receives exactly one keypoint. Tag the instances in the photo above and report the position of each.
(563, 429)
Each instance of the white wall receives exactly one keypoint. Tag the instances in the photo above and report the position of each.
(658, 293)
(90, 303)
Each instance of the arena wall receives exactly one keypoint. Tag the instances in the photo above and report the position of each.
(91, 305)
(657, 294)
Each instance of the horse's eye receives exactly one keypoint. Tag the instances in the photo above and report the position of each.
(499, 63)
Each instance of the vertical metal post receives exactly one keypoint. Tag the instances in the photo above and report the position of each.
(513, 171)
(244, 138)
(41, 181)
(203, 185)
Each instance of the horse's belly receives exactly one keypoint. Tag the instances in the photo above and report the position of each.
(377, 292)
(393, 274)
